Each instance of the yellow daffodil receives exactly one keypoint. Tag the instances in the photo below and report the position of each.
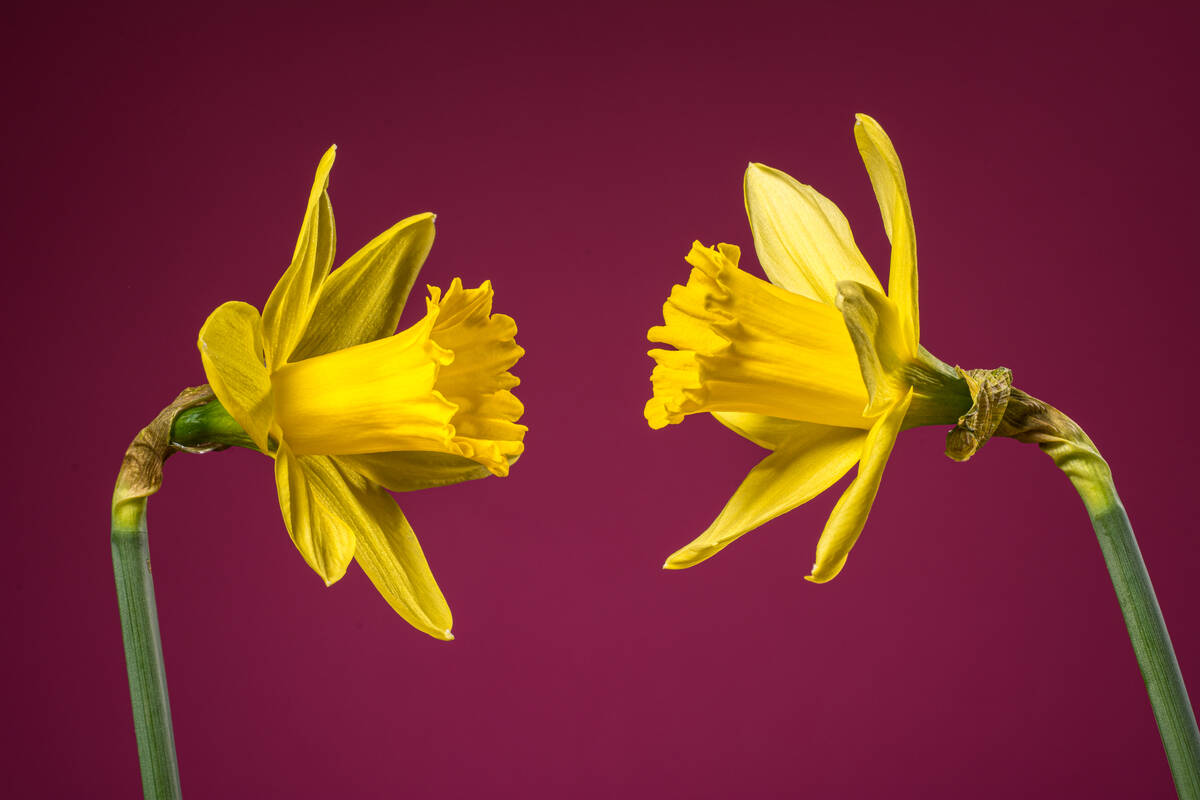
(348, 408)
(819, 366)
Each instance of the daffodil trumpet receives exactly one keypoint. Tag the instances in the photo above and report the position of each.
(348, 410)
(824, 368)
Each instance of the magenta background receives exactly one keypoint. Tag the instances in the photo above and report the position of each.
(158, 163)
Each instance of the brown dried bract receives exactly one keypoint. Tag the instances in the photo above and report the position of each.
(141, 469)
(990, 393)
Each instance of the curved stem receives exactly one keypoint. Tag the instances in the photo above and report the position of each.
(140, 477)
(1031, 420)
(194, 422)
(143, 652)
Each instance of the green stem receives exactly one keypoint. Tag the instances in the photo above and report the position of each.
(140, 477)
(1147, 633)
(1075, 454)
(143, 652)
(194, 422)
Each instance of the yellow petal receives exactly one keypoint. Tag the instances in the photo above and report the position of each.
(801, 468)
(803, 241)
(850, 514)
(390, 555)
(874, 326)
(764, 431)
(413, 469)
(318, 510)
(231, 350)
(287, 311)
(887, 178)
(361, 300)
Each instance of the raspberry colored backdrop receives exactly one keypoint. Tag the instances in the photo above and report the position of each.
(158, 161)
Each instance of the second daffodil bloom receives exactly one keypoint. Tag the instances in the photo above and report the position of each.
(348, 408)
(820, 366)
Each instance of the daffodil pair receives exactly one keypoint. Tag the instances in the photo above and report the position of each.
(819, 366)
(348, 408)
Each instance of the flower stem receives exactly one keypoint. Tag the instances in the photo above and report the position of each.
(140, 477)
(1031, 420)
(143, 652)
(1147, 632)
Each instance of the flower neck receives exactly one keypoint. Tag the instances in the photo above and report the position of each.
(940, 394)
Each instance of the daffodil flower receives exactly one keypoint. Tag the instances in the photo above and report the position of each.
(348, 409)
(820, 366)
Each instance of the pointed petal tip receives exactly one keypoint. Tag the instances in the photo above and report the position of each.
(679, 561)
(814, 578)
(330, 581)
(757, 177)
(447, 636)
(424, 218)
(757, 171)
(690, 556)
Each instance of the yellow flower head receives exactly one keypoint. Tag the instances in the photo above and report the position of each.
(819, 365)
(348, 408)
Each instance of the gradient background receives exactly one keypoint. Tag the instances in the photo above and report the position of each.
(158, 161)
